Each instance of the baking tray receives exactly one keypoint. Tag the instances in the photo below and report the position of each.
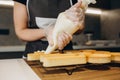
(70, 69)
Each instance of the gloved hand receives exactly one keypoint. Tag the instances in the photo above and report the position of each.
(63, 37)
(76, 14)
(67, 24)
(49, 32)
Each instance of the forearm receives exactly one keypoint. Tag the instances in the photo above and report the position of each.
(21, 24)
(30, 34)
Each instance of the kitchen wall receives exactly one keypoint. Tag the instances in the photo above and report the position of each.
(105, 26)
(110, 24)
(92, 28)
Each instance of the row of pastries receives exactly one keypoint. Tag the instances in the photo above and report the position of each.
(73, 57)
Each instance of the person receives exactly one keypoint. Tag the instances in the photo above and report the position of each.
(34, 22)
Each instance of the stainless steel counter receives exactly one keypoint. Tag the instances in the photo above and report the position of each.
(94, 47)
(22, 47)
(12, 48)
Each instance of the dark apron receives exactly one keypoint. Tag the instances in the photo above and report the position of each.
(45, 9)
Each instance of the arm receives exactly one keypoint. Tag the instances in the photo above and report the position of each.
(21, 24)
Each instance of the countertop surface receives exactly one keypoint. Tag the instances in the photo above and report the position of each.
(16, 69)
(19, 69)
(89, 72)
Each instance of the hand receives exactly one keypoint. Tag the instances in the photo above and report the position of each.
(63, 39)
(76, 14)
(49, 32)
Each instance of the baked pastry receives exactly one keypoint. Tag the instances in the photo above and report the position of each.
(88, 50)
(99, 57)
(34, 56)
(54, 55)
(115, 56)
(72, 51)
(64, 60)
(103, 52)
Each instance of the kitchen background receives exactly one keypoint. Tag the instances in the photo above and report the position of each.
(100, 28)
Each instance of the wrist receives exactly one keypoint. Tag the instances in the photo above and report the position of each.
(44, 33)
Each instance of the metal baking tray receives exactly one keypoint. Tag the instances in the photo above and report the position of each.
(72, 68)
